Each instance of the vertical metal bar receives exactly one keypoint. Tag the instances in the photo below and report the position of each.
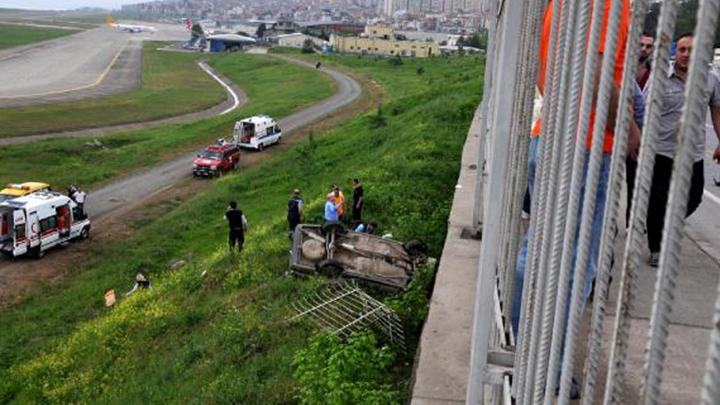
(607, 82)
(568, 21)
(536, 222)
(567, 130)
(566, 262)
(482, 322)
(711, 382)
(615, 180)
(487, 94)
(634, 244)
(692, 126)
(524, 127)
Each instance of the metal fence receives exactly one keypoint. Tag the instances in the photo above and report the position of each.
(559, 244)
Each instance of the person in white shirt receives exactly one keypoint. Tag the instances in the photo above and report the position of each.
(80, 196)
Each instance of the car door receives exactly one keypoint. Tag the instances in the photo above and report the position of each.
(21, 240)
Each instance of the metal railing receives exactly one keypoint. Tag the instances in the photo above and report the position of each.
(576, 199)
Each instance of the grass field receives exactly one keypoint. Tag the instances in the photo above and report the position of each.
(273, 87)
(223, 338)
(16, 35)
(172, 84)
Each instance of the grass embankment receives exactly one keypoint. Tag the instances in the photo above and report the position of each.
(15, 35)
(273, 87)
(223, 338)
(172, 84)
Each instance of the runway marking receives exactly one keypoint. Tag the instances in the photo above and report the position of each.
(711, 196)
(83, 87)
(236, 100)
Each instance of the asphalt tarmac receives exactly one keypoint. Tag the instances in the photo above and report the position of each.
(90, 64)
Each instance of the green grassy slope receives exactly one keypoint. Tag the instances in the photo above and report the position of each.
(16, 35)
(172, 84)
(222, 338)
(273, 87)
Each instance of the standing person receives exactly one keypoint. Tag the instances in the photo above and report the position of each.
(357, 200)
(643, 74)
(338, 199)
(645, 58)
(237, 224)
(295, 211)
(80, 196)
(71, 191)
(672, 106)
(631, 158)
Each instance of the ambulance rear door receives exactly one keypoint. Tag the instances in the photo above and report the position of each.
(20, 231)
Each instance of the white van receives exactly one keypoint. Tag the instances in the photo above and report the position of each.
(36, 222)
(256, 132)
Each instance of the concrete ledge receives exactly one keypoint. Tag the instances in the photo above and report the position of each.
(442, 368)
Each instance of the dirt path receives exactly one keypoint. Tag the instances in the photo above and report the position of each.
(158, 190)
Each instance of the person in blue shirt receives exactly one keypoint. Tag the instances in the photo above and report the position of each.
(331, 211)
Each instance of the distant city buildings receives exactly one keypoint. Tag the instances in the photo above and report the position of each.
(447, 16)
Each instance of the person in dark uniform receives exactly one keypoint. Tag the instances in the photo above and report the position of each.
(237, 225)
(295, 211)
(357, 200)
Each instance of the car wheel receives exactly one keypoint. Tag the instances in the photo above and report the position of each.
(278, 140)
(85, 233)
(330, 268)
(415, 248)
(261, 147)
(236, 165)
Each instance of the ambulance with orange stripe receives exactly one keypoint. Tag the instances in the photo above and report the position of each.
(36, 222)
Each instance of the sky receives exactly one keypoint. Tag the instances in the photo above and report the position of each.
(64, 4)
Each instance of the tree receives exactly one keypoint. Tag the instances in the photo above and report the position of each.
(686, 19)
(261, 31)
(308, 46)
(197, 29)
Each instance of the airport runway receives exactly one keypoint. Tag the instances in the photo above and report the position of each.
(90, 64)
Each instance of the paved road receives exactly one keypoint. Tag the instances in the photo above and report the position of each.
(235, 98)
(92, 63)
(139, 186)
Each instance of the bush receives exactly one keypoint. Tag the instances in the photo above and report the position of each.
(396, 61)
(331, 372)
(308, 46)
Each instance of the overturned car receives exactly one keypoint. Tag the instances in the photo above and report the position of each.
(362, 256)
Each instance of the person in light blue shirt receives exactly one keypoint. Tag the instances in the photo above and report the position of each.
(331, 211)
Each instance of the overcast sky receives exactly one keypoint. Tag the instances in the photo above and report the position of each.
(63, 4)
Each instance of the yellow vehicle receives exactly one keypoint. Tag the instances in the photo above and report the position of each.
(14, 190)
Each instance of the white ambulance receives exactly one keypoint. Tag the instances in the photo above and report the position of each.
(256, 132)
(36, 222)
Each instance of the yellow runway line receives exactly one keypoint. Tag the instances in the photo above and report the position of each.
(83, 87)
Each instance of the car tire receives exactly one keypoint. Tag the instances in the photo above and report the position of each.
(85, 233)
(415, 248)
(330, 268)
(278, 140)
(261, 147)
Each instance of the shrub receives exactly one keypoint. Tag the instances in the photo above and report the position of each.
(331, 372)
(396, 61)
